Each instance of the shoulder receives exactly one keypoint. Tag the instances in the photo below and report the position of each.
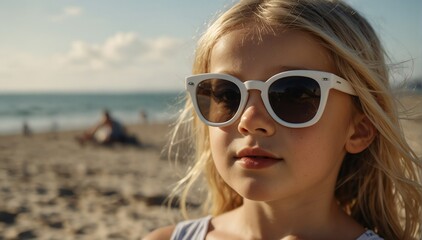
(369, 235)
(190, 229)
(163, 233)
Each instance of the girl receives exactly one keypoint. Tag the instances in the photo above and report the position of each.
(296, 130)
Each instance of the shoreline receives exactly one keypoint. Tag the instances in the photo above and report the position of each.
(80, 127)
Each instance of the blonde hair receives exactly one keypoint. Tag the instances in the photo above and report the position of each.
(380, 187)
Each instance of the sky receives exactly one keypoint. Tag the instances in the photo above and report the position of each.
(137, 46)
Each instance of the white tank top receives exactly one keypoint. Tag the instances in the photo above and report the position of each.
(197, 229)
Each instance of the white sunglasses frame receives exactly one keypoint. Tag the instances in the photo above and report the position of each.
(325, 80)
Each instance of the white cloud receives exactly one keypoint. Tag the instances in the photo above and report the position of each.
(122, 62)
(67, 12)
(121, 50)
(72, 11)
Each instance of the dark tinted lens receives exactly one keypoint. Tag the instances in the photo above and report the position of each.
(295, 99)
(218, 99)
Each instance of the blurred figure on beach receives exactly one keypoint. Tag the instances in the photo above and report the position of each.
(26, 130)
(107, 131)
(143, 116)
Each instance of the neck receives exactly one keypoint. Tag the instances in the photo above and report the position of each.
(302, 219)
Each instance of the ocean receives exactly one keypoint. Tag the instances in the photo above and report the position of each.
(43, 112)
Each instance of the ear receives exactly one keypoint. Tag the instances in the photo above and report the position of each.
(362, 133)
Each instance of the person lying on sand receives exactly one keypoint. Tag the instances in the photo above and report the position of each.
(107, 131)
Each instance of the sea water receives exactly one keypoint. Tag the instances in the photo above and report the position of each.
(43, 112)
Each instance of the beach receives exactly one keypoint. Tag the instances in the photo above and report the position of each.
(53, 188)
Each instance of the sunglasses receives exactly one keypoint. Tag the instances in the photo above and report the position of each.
(294, 99)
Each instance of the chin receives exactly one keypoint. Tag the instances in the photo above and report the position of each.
(257, 192)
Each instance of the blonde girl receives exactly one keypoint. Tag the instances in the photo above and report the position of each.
(296, 129)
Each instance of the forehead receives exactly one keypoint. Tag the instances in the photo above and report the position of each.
(241, 51)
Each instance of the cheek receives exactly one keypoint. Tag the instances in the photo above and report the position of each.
(219, 140)
(320, 147)
(313, 157)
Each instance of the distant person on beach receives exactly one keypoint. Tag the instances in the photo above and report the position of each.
(143, 116)
(295, 130)
(26, 130)
(107, 131)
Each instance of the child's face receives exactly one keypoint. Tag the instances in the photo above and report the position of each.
(257, 157)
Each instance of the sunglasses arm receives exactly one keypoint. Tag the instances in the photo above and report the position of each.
(342, 85)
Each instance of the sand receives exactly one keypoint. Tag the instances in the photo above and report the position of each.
(52, 188)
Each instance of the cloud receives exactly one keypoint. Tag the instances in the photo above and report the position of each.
(67, 12)
(121, 62)
(120, 50)
(72, 11)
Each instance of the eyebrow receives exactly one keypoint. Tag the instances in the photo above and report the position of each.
(291, 68)
(279, 69)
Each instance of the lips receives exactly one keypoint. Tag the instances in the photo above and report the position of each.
(256, 158)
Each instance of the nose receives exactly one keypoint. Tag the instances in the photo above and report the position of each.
(255, 119)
